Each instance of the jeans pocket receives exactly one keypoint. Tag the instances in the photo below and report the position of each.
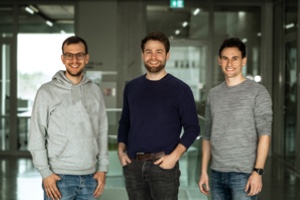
(171, 169)
(61, 176)
(127, 165)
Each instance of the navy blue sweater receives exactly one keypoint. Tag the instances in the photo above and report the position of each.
(154, 113)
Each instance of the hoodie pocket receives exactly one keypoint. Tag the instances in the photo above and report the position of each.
(57, 148)
(80, 154)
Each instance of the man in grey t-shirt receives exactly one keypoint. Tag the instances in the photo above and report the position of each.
(237, 130)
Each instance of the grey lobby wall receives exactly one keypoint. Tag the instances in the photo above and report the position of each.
(113, 31)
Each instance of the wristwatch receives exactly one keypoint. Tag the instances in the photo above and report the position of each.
(259, 171)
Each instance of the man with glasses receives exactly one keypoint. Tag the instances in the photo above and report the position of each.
(68, 131)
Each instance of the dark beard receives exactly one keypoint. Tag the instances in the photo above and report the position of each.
(75, 74)
(154, 69)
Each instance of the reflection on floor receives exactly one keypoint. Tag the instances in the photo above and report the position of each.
(20, 181)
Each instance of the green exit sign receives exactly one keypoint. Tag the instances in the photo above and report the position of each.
(176, 3)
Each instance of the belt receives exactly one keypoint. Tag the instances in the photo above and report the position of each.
(141, 156)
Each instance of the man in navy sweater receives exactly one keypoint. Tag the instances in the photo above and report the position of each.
(156, 108)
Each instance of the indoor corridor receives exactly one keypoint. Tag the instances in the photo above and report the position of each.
(31, 35)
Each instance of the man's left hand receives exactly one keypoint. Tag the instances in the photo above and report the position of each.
(166, 162)
(100, 177)
(254, 184)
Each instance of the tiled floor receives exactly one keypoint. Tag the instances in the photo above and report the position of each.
(20, 181)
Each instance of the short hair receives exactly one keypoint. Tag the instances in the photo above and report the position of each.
(74, 40)
(158, 36)
(233, 42)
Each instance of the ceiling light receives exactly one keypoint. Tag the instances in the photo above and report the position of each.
(65, 21)
(177, 32)
(184, 24)
(29, 10)
(259, 34)
(34, 8)
(196, 11)
(241, 13)
(49, 23)
(257, 78)
(244, 40)
(288, 26)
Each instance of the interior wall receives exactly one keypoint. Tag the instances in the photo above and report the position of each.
(131, 30)
(266, 45)
(298, 98)
(113, 31)
(96, 22)
(278, 93)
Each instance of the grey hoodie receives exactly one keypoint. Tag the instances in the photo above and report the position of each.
(68, 130)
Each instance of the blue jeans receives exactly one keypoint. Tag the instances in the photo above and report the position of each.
(74, 187)
(229, 186)
(146, 181)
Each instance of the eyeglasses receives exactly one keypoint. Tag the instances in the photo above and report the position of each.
(79, 56)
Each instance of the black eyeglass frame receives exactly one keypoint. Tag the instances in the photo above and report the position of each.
(78, 56)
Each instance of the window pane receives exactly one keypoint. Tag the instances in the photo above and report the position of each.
(35, 67)
(5, 53)
(290, 101)
(6, 21)
(291, 12)
(188, 23)
(42, 30)
(244, 23)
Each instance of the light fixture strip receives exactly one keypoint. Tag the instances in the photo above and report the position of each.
(288, 26)
(29, 10)
(184, 24)
(196, 11)
(34, 8)
(49, 23)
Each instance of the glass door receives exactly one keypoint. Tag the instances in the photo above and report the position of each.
(290, 102)
(32, 73)
(5, 55)
(38, 66)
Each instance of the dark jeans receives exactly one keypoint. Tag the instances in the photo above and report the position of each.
(146, 181)
(74, 187)
(229, 186)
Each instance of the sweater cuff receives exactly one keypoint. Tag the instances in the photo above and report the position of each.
(45, 173)
(103, 168)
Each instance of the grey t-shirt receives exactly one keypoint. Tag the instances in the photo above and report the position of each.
(234, 119)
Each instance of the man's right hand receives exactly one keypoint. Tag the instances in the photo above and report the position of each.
(204, 184)
(51, 188)
(124, 159)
